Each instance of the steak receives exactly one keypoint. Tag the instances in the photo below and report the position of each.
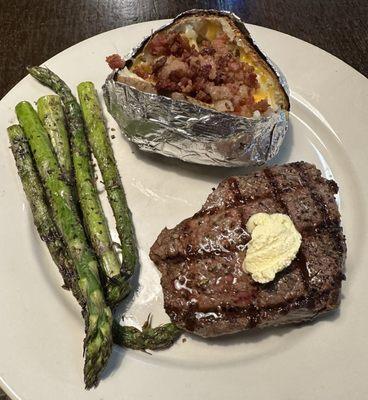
(205, 288)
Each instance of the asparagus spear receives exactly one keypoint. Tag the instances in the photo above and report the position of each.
(159, 337)
(101, 147)
(52, 117)
(116, 287)
(98, 318)
(40, 211)
(149, 338)
(127, 336)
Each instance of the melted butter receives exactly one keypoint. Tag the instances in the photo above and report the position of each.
(212, 31)
(260, 95)
(274, 245)
(266, 90)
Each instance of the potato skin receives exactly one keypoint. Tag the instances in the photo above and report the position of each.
(189, 130)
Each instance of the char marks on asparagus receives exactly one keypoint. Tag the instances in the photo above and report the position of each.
(102, 150)
(98, 318)
(40, 157)
(116, 287)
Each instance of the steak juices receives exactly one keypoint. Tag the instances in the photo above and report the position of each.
(205, 288)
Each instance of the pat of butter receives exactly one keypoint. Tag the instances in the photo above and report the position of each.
(274, 245)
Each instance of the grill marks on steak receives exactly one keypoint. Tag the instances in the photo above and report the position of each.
(205, 289)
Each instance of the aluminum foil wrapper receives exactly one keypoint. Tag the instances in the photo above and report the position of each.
(192, 133)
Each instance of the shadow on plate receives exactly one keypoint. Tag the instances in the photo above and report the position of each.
(253, 336)
(117, 357)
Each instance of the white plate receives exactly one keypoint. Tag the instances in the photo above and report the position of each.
(41, 331)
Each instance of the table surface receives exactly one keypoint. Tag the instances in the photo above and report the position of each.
(32, 31)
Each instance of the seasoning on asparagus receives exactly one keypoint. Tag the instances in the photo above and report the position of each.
(98, 318)
(149, 338)
(102, 150)
(127, 336)
(115, 285)
(41, 214)
(50, 111)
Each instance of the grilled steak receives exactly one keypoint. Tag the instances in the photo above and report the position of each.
(205, 288)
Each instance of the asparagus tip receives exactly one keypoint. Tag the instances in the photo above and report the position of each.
(97, 347)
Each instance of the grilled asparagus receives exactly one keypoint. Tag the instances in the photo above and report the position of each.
(50, 111)
(101, 147)
(98, 317)
(115, 285)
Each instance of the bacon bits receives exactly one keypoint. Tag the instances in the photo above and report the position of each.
(115, 61)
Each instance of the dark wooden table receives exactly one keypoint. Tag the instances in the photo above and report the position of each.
(32, 31)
